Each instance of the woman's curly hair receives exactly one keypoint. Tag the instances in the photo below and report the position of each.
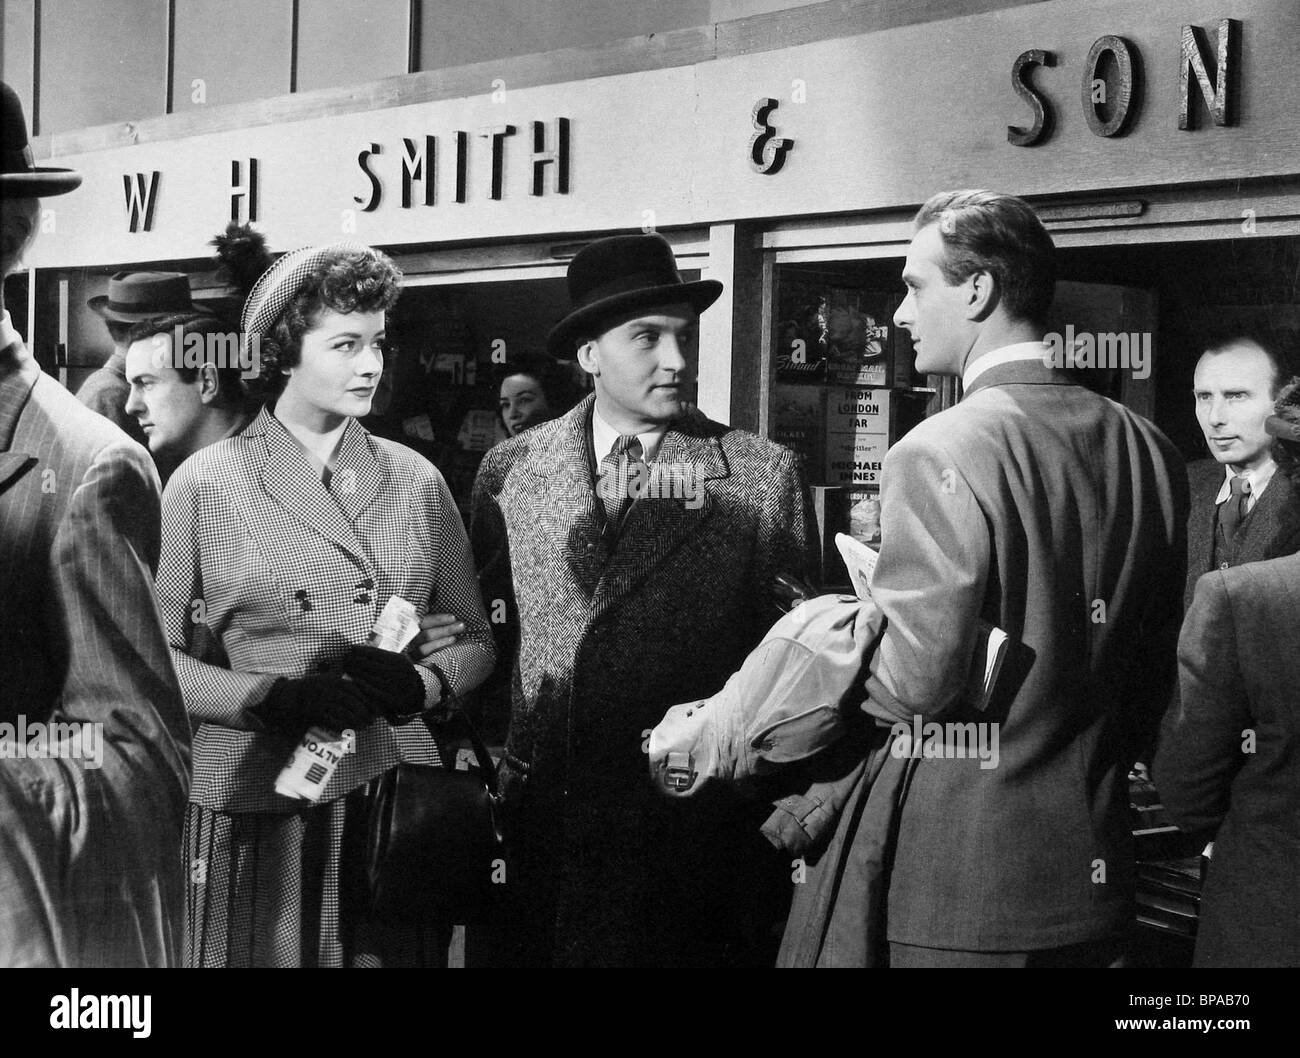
(1287, 453)
(361, 280)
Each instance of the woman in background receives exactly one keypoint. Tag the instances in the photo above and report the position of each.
(281, 546)
(534, 389)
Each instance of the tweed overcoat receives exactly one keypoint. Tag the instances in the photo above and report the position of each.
(1060, 517)
(90, 864)
(1271, 530)
(611, 635)
(1229, 759)
(266, 572)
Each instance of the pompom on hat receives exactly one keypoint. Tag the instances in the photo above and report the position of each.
(20, 177)
(281, 283)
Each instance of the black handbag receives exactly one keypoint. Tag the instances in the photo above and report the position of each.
(433, 836)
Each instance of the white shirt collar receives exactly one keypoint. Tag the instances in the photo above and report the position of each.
(8, 336)
(1258, 478)
(603, 437)
(1006, 355)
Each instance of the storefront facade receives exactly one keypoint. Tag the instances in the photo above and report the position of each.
(1159, 142)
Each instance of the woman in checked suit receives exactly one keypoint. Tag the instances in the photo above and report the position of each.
(281, 546)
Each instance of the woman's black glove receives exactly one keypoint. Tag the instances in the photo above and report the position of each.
(387, 681)
(327, 699)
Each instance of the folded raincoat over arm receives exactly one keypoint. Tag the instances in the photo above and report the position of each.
(799, 694)
(791, 699)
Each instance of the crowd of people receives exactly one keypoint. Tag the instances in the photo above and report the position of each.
(208, 626)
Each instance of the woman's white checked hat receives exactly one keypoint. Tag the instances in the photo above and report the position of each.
(280, 284)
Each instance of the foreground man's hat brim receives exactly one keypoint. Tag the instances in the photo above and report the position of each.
(20, 177)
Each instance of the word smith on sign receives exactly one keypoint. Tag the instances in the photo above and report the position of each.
(416, 169)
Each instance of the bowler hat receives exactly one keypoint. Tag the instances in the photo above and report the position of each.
(20, 177)
(621, 274)
(135, 296)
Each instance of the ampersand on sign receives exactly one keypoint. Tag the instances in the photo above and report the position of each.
(767, 150)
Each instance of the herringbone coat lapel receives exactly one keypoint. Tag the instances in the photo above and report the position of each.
(565, 504)
(676, 506)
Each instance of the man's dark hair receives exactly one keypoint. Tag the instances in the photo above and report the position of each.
(984, 231)
(231, 390)
(1275, 344)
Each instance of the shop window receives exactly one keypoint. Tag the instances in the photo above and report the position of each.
(842, 388)
(1181, 296)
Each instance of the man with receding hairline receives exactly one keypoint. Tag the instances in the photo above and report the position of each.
(1058, 516)
(1241, 511)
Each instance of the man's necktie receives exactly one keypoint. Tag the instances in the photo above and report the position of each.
(1233, 509)
(617, 471)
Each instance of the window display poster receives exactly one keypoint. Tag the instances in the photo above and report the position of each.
(798, 423)
(833, 334)
(857, 434)
(864, 515)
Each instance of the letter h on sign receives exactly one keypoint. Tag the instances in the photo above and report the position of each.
(246, 191)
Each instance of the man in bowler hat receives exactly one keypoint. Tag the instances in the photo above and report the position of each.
(94, 740)
(643, 540)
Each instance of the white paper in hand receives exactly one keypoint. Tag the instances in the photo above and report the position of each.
(860, 561)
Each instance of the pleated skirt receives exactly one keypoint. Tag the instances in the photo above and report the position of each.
(288, 889)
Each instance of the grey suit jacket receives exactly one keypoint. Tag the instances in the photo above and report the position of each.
(90, 870)
(1058, 516)
(610, 638)
(1271, 530)
(1229, 759)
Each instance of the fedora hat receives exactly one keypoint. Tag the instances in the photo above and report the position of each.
(621, 274)
(135, 296)
(20, 177)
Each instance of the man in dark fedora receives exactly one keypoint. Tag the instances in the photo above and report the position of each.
(132, 298)
(643, 540)
(94, 740)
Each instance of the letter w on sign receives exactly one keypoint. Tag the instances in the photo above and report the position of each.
(140, 200)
